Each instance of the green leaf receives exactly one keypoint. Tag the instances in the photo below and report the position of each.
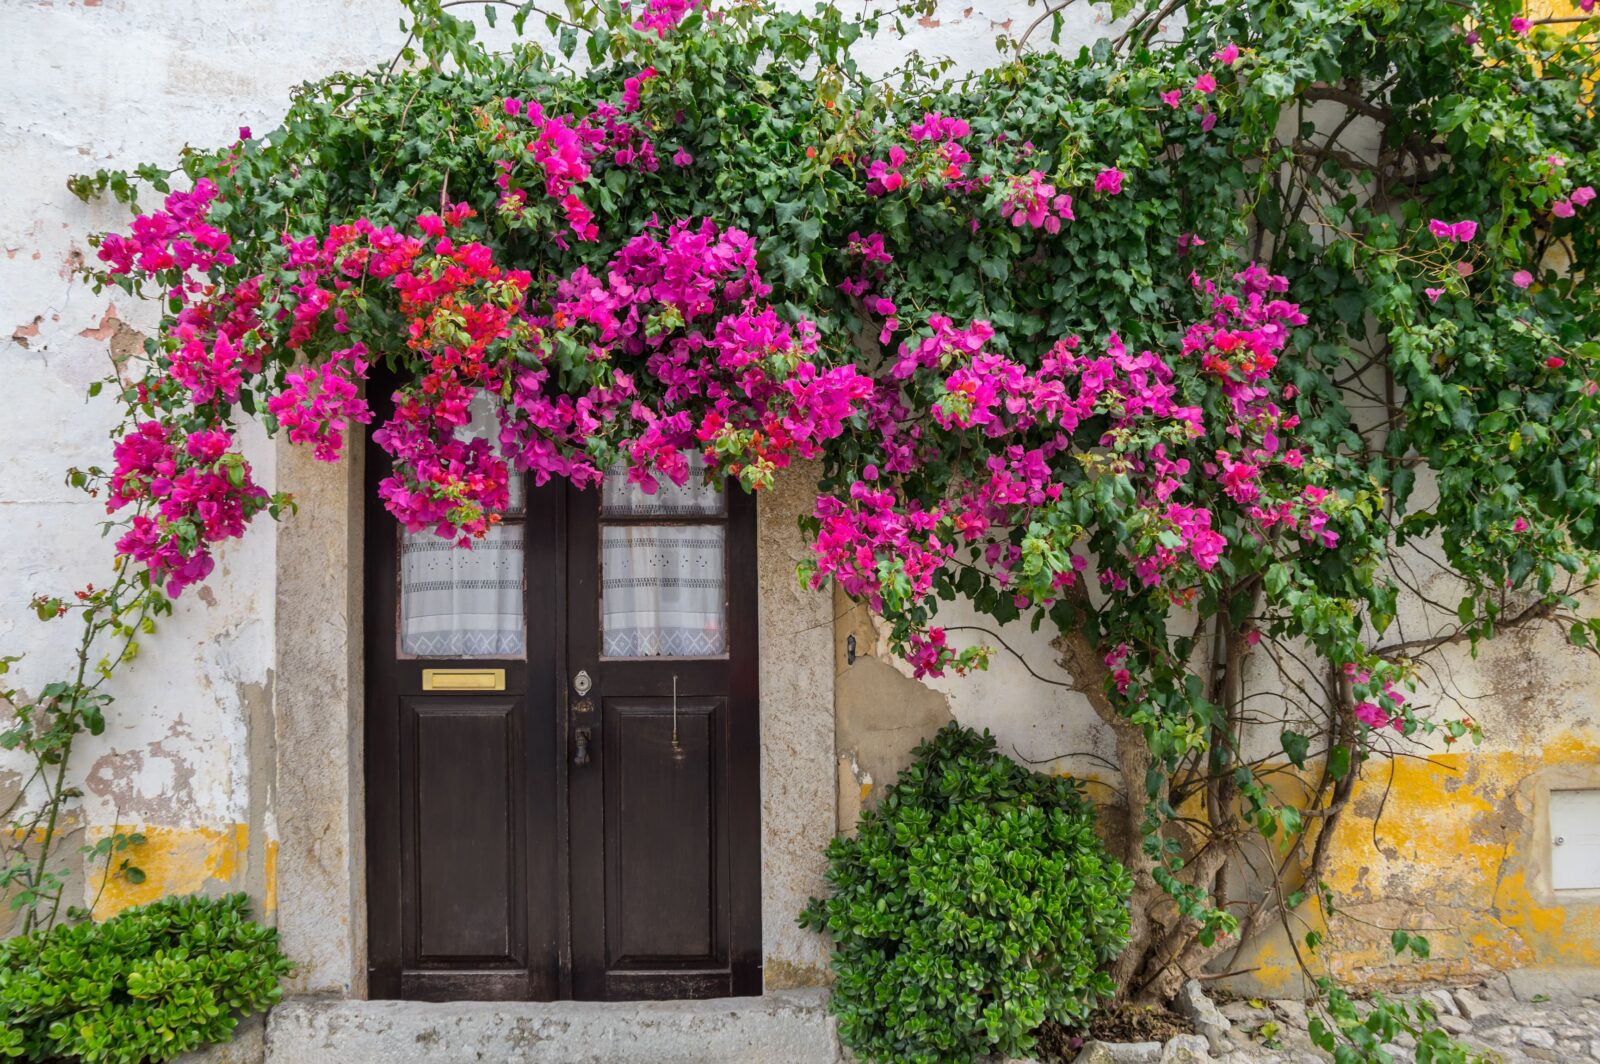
(1339, 762)
(1295, 746)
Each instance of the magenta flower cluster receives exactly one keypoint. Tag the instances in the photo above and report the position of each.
(197, 490)
(888, 548)
(1031, 200)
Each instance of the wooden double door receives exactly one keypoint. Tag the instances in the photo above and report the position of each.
(562, 756)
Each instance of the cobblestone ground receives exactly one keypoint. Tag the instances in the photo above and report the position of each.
(1535, 1020)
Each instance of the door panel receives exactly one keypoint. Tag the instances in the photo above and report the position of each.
(468, 818)
(664, 855)
(541, 841)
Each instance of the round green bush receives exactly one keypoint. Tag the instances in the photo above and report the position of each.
(974, 903)
(149, 984)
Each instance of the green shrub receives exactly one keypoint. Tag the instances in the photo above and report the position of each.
(974, 903)
(146, 985)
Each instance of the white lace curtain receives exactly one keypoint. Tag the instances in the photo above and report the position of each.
(662, 591)
(462, 602)
(663, 588)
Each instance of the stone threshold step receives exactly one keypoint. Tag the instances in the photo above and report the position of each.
(784, 1027)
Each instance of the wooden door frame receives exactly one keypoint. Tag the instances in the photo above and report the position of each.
(546, 807)
(311, 743)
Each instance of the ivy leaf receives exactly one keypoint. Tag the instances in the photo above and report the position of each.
(1339, 762)
(1295, 745)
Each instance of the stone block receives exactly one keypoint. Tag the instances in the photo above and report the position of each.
(1192, 1003)
(1443, 1003)
(1186, 1049)
(786, 1027)
(1559, 986)
(1094, 1052)
(1471, 1005)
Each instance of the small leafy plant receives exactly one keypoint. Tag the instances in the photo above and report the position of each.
(147, 985)
(974, 903)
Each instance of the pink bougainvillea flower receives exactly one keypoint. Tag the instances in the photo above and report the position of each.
(1554, 362)
(1522, 278)
(681, 158)
(199, 489)
(1109, 181)
(1434, 294)
(1464, 268)
(1205, 83)
(937, 127)
(1228, 55)
(1208, 123)
(320, 401)
(1521, 26)
(884, 176)
(1369, 714)
(1582, 197)
(632, 87)
(1173, 98)
(1587, 6)
(1455, 232)
(244, 132)
(1033, 201)
(663, 15)
(1562, 208)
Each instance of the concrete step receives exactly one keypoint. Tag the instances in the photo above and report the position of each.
(785, 1027)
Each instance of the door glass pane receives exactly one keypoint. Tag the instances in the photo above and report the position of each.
(461, 602)
(619, 498)
(662, 591)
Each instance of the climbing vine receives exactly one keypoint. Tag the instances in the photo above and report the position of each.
(1190, 346)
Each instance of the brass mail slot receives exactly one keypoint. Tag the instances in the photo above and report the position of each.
(463, 679)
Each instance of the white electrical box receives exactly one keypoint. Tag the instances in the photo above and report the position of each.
(1575, 840)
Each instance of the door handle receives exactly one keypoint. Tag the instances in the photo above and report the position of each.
(581, 756)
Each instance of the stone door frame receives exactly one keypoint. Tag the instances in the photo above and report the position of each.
(317, 808)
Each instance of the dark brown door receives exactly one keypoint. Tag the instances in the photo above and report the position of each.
(562, 750)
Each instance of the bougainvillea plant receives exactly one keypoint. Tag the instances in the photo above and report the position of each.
(1188, 346)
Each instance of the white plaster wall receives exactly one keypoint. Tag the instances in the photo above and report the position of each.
(114, 84)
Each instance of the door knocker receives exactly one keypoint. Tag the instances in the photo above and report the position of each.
(677, 749)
